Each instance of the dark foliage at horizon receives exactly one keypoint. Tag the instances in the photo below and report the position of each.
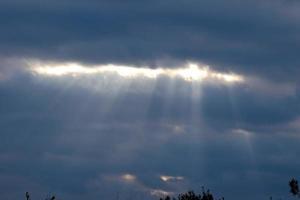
(28, 197)
(191, 195)
(206, 195)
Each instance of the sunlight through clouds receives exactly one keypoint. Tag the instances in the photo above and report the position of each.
(171, 178)
(190, 72)
(128, 177)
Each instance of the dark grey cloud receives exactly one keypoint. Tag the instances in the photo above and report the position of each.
(254, 37)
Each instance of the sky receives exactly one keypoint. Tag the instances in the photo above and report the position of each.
(138, 99)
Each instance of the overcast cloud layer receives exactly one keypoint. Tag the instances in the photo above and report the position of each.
(260, 37)
(104, 136)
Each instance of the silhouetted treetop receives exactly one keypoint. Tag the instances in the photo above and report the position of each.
(294, 188)
(191, 195)
(27, 196)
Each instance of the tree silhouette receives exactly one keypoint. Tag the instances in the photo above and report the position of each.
(294, 188)
(191, 195)
(27, 196)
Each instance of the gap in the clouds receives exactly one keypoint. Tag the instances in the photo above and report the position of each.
(188, 72)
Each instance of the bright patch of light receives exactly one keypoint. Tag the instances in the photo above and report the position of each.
(242, 132)
(171, 178)
(159, 193)
(193, 73)
(70, 68)
(227, 77)
(190, 72)
(128, 177)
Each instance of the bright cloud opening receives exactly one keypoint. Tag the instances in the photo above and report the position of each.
(171, 178)
(190, 72)
(128, 177)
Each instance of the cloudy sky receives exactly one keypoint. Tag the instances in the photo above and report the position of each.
(137, 99)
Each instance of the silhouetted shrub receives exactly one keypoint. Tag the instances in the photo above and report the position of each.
(294, 188)
(27, 196)
(191, 195)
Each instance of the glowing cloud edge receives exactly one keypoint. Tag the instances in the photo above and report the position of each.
(190, 72)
